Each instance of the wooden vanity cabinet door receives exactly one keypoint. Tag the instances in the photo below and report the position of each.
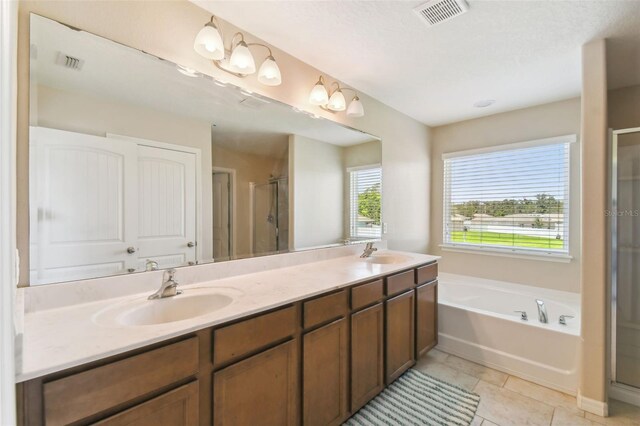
(261, 390)
(426, 317)
(178, 407)
(325, 375)
(367, 355)
(400, 335)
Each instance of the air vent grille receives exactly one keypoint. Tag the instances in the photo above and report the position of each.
(437, 11)
(69, 61)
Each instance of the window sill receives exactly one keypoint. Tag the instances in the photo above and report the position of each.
(517, 254)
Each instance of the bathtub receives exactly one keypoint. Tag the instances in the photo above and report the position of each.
(476, 321)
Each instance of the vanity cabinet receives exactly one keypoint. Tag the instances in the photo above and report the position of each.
(261, 390)
(400, 341)
(325, 366)
(367, 355)
(178, 407)
(312, 362)
(426, 317)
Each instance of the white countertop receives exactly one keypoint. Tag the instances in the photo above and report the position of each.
(63, 337)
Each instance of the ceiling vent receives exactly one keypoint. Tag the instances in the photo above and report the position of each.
(437, 11)
(69, 62)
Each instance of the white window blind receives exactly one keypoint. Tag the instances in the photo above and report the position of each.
(365, 202)
(513, 199)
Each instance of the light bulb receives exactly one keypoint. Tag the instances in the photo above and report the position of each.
(355, 108)
(208, 42)
(337, 101)
(269, 73)
(319, 95)
(241, 60)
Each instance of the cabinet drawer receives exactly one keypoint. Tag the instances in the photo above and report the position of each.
(426, 273)
(178, 407)
(81, 395)
(247, 336)
(400, 282)
(366, 294)
(325, 308)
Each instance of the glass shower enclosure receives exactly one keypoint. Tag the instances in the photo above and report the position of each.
(625, 264)
(270, 219)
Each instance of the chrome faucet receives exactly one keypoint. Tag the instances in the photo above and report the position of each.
(563, 319)
(542, 312)
(169, 287)
(368, 250)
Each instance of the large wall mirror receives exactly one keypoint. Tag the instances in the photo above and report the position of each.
(138, 164)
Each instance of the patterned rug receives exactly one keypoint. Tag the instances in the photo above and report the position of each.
(418, 399)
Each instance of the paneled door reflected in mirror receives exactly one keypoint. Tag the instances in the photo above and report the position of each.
(137, 164)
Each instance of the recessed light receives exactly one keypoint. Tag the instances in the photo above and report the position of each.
(484, 103)
(189, 72)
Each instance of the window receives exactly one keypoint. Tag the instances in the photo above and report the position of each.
(365, 202)
(512, 199)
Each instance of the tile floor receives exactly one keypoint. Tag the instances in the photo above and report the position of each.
(506, 400)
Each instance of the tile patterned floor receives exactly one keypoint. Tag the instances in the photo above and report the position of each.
(510, 401)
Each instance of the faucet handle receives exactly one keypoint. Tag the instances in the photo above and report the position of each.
(169, 274)
(523, 315)
(563, 318)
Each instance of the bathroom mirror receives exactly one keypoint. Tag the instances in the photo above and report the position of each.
(136, 163)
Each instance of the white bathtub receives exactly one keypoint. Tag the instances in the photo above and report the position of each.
(476, 321)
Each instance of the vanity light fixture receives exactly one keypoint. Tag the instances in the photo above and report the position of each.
(335, 101)
(209, 43)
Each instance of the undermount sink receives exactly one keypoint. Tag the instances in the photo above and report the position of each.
(190, 304)
(384, 259)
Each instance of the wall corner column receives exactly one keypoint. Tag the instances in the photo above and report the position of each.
(592, 393)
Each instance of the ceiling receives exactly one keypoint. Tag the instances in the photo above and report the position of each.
(520, 53)
(110, 71)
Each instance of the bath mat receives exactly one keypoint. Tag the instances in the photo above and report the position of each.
(416, 398)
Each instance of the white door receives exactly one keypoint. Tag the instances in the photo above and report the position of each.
(166, 207)
(83, 214)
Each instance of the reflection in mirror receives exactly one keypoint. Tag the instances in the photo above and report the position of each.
(139, 164)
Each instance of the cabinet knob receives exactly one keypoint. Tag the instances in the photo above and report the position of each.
(131, 250)
(191, 244)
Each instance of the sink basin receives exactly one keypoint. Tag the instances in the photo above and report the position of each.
(191, 304)
(384, 259)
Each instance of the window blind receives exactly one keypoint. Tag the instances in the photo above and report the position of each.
(365, 202)
(515, 198)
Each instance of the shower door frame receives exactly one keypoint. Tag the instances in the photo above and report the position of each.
(620, 391)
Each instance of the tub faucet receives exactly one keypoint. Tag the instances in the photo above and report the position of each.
(368, 250)
(169, 287)
(542, 312)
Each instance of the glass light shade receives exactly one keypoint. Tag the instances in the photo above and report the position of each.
(355, 108)
(319, 95)
(269, 73)
(241, 60)
(208, 42)
(337, 102)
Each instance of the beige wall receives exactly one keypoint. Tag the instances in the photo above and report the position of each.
(555, 119)
(623, 108)
(249, 168)
(593, 373)
(316, 188)
(166, 29)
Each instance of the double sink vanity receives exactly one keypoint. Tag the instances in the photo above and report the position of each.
(142, 172)
(309, 343)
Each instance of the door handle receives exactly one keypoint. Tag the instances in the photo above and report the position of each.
(131, 250)
(191, 244)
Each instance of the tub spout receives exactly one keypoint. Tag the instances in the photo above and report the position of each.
(542, 312)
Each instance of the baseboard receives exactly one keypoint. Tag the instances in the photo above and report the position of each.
(625, 394)
(599, 408)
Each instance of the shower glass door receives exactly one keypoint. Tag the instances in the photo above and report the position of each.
(626, 256)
